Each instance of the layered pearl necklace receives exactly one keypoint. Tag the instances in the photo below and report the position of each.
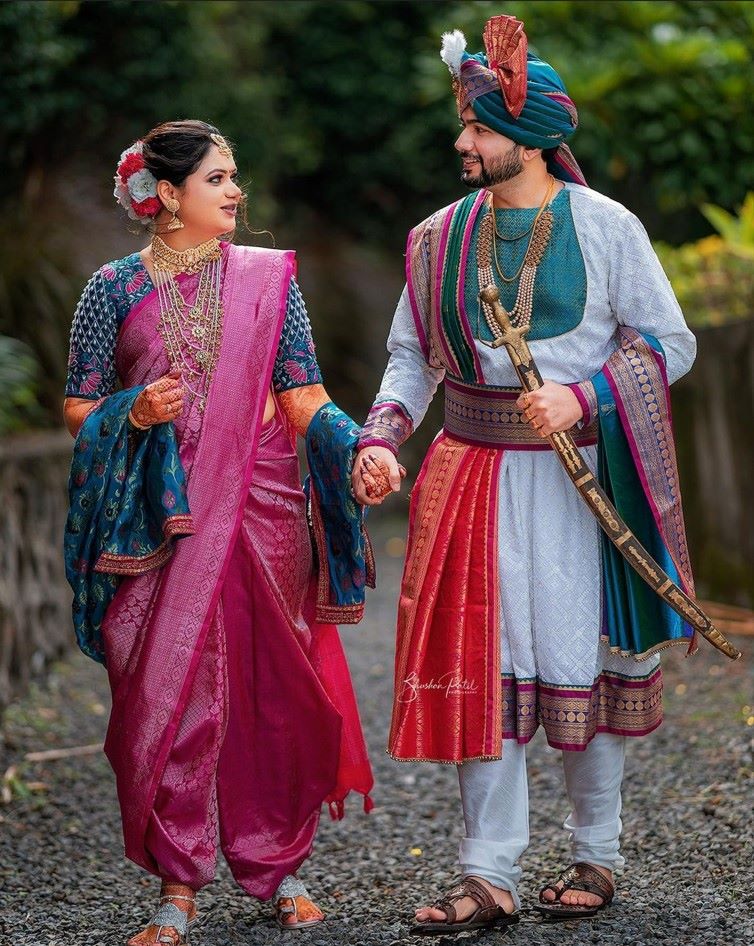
(192, 333)
(488, 262)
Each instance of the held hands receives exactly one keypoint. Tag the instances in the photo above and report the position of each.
(376, 474)
(159, 402)
(551, 409)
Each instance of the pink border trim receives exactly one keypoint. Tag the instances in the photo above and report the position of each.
(487, 391)
(488, 445)
(493, 616)
(172, 727)
(378, 442)
(576, 388)
(438, 288)
(418, 324)
(579, 747)
(460, 289)
(638, 462)
(588, 692)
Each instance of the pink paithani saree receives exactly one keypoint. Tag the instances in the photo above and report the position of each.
(230, 713)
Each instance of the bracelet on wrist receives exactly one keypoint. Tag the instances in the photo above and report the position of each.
(135, 423)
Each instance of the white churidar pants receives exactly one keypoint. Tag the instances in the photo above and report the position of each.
(495, 799)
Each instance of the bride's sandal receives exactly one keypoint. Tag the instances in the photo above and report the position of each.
(294, 910)
(170, 924)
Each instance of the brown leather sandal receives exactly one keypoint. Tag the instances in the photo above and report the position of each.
(488, 913)
(579, 876)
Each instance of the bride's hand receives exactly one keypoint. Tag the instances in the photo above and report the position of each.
(376, 474)
(159, 402)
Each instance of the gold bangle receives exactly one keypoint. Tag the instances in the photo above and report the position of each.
(135, 423)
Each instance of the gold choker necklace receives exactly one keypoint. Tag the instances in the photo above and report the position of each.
(190, 261)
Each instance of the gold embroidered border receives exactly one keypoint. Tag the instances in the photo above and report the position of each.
(489, 416)
(114, 564)
(572, 715)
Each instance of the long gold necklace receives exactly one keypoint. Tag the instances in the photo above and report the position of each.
(540, 211)
(521, 313)
(192, 332)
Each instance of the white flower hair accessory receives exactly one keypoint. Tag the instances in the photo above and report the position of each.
(136, 186)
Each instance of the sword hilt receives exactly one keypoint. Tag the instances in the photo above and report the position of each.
(513, 337)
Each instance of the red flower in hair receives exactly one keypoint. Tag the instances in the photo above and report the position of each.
(147, 208)
(132, 163)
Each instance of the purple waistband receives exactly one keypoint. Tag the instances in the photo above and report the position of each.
(488, 417)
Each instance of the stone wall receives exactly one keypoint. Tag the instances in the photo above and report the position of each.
(35, 623)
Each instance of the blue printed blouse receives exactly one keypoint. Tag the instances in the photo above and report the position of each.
(110, 295)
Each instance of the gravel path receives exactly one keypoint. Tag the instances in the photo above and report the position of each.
(687, 821)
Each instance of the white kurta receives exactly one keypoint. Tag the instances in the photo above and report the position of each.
(549, 544)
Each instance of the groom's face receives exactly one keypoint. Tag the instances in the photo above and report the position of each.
(487, 157)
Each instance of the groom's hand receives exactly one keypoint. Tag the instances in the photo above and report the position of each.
(376, 474)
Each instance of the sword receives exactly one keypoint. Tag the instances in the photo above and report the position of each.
(592, 493)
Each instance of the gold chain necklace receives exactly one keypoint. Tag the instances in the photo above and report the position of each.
(511, 239)
(520, 314)
(192, 333)
(540, 211)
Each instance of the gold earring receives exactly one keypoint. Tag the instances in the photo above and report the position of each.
(173, 206)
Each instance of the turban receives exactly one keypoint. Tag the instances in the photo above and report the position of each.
(515, 93)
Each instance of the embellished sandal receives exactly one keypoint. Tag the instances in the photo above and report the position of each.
(487, 914)
(168, 917)
(580, 876)
(292, 900)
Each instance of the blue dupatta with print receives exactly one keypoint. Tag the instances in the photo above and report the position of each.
(128, 504)
(343, 553)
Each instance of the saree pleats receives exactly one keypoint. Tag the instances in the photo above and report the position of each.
(275, 767)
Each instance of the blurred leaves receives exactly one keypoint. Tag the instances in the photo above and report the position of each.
(737, 232)
(38, 290)
(713, 278)
(343, 111)
(18, 382)
(342, 114)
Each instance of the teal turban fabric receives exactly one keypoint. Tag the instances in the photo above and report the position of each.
(548, 117)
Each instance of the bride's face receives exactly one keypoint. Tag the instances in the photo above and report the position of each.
(209, 197)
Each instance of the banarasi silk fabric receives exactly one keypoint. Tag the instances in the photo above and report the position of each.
(437, 256)
(163, 631)
(128, 504)
(345, 563)
(443, 670)
(638, 471)
(447, 698)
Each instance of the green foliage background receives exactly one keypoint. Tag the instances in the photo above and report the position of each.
(342, 116)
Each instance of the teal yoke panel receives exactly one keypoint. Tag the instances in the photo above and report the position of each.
(560, 285)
